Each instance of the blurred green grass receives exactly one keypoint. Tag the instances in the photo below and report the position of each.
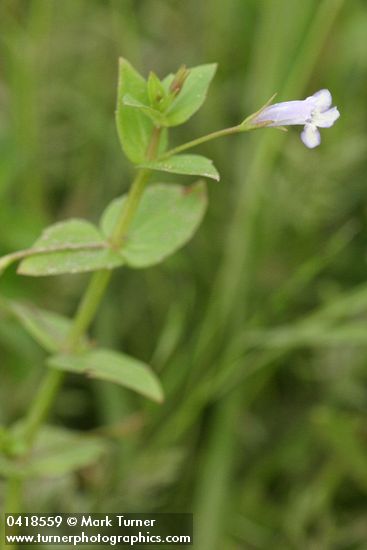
(257, 328)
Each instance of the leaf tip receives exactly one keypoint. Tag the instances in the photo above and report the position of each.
(159, 398)
(20, 270)
(215, 175)
(122, 61)
(213, 66)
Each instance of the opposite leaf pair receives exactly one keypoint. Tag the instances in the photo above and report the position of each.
(166, 219)
(50, 330)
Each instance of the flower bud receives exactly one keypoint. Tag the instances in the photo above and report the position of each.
(156, 92)
(179, 80)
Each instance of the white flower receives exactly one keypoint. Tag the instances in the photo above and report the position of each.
(313, 112)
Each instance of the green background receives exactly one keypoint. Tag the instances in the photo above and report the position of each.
(258, 327)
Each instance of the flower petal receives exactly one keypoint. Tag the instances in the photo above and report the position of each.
(327, 118)
(286, 113)
(311, 136)
(322, 99)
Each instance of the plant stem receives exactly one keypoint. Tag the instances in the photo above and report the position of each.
(88, 307)
(46, 394)
(11, 504)
(244, 126)
(84, 315)
(12, 495)
(41, 405)
(129, 208)
(91, 299)
(204, 139)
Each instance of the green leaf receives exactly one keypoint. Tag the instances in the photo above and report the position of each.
(47, 328)
(59, 451)
(156, 92)
(133, 126)
(156, 117)
(167, 217)
(73, 246)
(192, 95)
(193, 165)
(113, 367)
